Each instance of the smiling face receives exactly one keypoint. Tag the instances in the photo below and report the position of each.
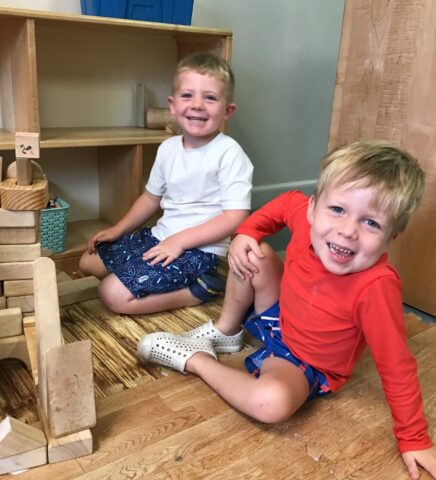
(199, 104)
(348, 233)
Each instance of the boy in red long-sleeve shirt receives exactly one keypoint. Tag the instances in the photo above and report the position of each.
(335, 293)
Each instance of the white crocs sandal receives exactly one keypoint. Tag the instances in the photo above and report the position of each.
(220, 342)
(171, 350)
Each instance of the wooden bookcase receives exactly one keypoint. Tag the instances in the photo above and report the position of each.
(45, 57)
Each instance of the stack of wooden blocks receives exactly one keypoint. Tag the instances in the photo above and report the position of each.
(64, 374)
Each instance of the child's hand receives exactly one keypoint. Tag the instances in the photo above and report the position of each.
(108, 235)
(239, 261)
(426, 458)
(165, 251)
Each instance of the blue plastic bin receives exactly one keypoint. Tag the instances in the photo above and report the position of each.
(165, 11)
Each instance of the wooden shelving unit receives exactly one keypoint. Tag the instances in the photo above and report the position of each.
(36, 51)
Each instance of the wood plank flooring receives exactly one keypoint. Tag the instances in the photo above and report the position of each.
(158, 424)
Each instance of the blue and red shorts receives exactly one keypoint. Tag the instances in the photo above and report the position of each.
(124, 258)
(266, 328)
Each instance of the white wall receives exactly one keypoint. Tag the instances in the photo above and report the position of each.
(60, 6)
(284, 59)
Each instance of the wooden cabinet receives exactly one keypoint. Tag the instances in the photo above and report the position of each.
(73, 79)
(385, 90)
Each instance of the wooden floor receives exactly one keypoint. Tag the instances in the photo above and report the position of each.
(158, 424)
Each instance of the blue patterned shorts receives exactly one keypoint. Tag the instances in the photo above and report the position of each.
(124, 258)
(266, 328)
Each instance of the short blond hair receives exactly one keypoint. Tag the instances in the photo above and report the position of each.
(206, 63)
(393, 172)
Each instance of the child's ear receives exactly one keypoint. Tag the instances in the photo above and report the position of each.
(170, 101)
(230, 110)
(311, 209)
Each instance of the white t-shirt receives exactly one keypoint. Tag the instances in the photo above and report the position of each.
(199, 184)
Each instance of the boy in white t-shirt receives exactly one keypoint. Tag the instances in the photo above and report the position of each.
(202, 181)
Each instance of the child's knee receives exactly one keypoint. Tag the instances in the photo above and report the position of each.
(113, 294)
(273, 403)
(85, 264)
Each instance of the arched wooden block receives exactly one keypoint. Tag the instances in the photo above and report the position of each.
(37, 172)
(15, 347)
(24, 197)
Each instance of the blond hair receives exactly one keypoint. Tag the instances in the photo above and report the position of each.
(206, 63)
(393, 172)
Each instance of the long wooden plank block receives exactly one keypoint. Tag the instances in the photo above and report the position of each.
(48, 323)
(17, 288)
(70, 384)
(18, 235)
(16, 270)
(19, 219)
(78, 290)
(25, 303)
(20, 253)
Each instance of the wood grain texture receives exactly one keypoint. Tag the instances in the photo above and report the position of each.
(18, 437)
(385, 90)
(24, 197)
(70, 388)
(176, 427)
(48, 325)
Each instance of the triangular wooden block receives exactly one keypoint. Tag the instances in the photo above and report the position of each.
(18, 437)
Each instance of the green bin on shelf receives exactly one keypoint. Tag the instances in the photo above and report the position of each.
(53, 226)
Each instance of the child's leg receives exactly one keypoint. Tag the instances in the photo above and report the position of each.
(274, 396)
(116, 297)
(92, 264)
(262, 291)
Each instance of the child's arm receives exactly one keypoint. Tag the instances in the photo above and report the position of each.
(426, 458)
(213, 230)
(143, 208)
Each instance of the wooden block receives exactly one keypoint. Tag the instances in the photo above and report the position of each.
(16, 270)
(66, 448)
(20, 253)
(25, 460)
(62, 277)
(158, 118)
(22, 446)
(25, 218)
(29, 319)
(17, 288)
(15, 347)
(24, 197)
(2, 302)
(26, 145)
(78, 290)
(30, 334)
(37, 172)
(71, 446)
(25, 303)
(70, 388)
(48, 324)
(11, 322)
(140, 105)
(18, 437)
(24, 171)
(20, 236)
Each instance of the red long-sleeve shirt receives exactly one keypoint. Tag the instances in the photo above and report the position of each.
(327, 319)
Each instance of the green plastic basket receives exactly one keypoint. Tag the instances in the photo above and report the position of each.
(54, 226)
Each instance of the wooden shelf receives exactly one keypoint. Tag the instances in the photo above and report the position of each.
(78, 234)
(90, 137)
